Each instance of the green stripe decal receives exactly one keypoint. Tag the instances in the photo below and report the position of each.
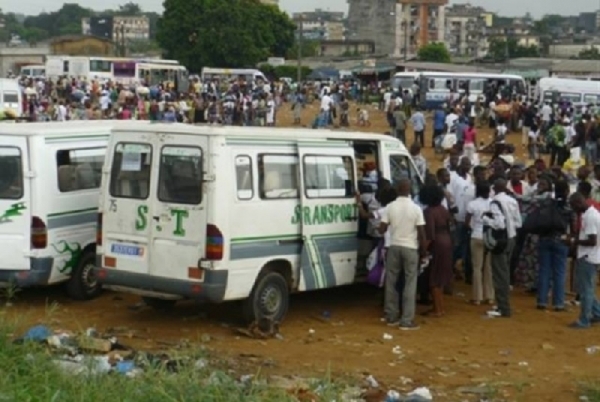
(73, 212)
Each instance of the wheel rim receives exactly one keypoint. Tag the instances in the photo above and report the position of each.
(271, 300)
(88, 277)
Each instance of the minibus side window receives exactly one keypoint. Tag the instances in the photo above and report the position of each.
(11, 175)
(130, 173)
(328, 176)
(243, 177)
(79, 169)
(402, 168)
(180, 176)
(278, 176)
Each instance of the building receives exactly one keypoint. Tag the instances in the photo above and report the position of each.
(13, 58)
(520, 31)
(397, 27)
(587, 22)
(117, 28)
(82, 45)
(598, 20)
(348, 47)
(570, 50)
(321, 25)
(270, 2)
(466, 30)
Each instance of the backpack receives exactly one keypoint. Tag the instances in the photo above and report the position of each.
(546, 219)
(495, 240)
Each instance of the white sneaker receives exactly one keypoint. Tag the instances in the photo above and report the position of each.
(493, 313)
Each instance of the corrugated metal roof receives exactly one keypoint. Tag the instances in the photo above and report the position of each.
(560, 65)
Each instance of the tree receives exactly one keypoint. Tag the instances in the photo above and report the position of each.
(501, 49)
(129, 8)
(223, 33)
(590, 54)
(435, 52)
(33, 35)
(66, 21)
(310, 48)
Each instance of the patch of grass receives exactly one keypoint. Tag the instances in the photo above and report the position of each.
(29, 373)
(591, 390)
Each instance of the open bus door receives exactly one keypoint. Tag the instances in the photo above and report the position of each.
(328, 215)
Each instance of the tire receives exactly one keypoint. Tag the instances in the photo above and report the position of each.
(83, 284)
(270, 298)
(159, 304)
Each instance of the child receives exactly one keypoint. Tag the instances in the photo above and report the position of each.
(363, 117)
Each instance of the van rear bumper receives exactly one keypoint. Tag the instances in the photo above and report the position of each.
(37, 275)
(211, 290)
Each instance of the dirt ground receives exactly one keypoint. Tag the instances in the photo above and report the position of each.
(532, 356)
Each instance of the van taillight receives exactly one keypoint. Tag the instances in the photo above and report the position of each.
(214, 243)
(99, 230)
(39, 233)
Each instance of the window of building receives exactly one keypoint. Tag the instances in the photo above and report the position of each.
(79, 169)
(278, 176)
(180, 177)
(401, 167)
(243, 176)
(328, 176)
(130, 173)
(11, 173)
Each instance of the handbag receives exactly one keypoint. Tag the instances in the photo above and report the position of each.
(376, 266)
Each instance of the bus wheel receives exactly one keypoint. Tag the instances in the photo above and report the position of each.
(158, 304)
(83, 284)
(270, 298)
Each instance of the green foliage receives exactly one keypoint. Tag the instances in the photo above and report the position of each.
(223, 33)
(65, 21)
(503, 49)
(590, 54)
(310, 48)
(434, 52)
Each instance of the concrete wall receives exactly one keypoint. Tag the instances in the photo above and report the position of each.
(374, 20)
(12, 57)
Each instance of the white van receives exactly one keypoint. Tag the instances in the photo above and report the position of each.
(578, 92)
(249, 74)
(226, 213)
(33, 71)
(49, 179)
(11, 97)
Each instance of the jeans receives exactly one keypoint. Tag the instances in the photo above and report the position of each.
(585, 283)
(401, 261)
(401, 135)
(591, 152)
(553, 267)
(501, 277)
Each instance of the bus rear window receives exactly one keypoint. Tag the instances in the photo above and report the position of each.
(10, 97)
(130, 173)
(11, 176)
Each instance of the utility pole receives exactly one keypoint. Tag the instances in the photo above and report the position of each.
(299, 41)
(405, 39)
(122, 27)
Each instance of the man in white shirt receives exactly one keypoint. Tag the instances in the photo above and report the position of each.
(546, 113)
(406, 224)
(588, 261)
(326, 103)
(451, 120)
(463, 191)
(504, 214)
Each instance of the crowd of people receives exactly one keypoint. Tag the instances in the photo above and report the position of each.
(508, 224)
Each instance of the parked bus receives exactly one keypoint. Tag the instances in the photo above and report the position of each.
(578, 92)
(435, 87)
(33, 71)
(228, 74)
(91, 68)
(152, 73)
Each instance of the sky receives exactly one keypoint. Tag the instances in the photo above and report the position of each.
(504, 7)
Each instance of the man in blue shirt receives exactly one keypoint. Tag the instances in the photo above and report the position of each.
(418, 122)
(439, 121)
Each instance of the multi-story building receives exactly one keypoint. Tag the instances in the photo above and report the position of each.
(598, 20)
(117, 28)
(321, 25)
(397, 27)
(587, 22)
(466, 30)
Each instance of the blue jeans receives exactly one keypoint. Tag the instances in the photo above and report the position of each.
(585, 283)
(553, 266)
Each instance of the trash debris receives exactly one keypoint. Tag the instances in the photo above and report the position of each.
(523, 364)
(504, 352)
(397, 350)
(200, 364)
(387, 337)
(372, 382)
(547, 346)
(38, 333)
(592, 350)
(422, 392)
(95, 344)
(392, 396)
(311, 331)
(125, 366)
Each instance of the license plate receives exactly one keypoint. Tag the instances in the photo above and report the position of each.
(122, 249)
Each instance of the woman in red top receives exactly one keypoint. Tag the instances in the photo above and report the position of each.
(470, 140)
